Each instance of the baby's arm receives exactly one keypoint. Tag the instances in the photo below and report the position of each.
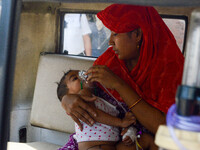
(114, 121)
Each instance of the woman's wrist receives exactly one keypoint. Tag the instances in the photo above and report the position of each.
(118, 84)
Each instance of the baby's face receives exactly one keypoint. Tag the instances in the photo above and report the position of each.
(73, 82)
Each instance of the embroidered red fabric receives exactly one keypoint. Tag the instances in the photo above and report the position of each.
(159, 69)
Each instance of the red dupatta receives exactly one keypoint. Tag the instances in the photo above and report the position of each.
(159, 69)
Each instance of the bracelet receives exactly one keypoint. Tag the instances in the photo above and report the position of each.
(135, 103)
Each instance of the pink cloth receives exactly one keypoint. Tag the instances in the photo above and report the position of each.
(99, 131)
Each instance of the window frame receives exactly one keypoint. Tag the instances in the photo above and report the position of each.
(9, 24)
(181, 17)
(62, 13)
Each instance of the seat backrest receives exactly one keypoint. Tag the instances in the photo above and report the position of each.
(47, 111)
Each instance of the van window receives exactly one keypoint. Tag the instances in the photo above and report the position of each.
(85, 35)
(178, 28)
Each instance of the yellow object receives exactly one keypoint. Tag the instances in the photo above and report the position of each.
(135, 103)
(190, 140)
(138, 144)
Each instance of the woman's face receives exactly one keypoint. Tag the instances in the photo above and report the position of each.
(125, 45)
(73, 82)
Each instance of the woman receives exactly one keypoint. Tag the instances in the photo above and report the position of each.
(143, 66)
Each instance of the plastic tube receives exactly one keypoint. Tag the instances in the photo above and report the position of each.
(114, 98)
(185, 123)
(170, 124)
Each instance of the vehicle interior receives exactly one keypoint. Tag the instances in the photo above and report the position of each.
(35, 58)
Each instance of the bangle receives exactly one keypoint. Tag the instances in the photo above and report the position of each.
(135, 103)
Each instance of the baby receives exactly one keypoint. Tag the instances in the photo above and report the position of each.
(105, 133)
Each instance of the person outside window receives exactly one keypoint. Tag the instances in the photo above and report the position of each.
(77, 35)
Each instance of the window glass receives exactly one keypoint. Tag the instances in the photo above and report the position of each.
(85, 35)
(177, 27)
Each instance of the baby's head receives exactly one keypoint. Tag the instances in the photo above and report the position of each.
(69, 84)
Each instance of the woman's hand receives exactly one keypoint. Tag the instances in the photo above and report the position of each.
(77, 108)
(103, 75)
(128, 120)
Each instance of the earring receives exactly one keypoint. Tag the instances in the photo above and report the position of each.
(138, 47)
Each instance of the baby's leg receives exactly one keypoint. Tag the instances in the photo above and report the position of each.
(121, 146)
(97, 145)
(146, 141)
(102, 147)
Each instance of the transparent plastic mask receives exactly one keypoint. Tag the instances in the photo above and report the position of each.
(82, 75)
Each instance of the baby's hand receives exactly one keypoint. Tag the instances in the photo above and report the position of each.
(128, 141)
(128, 135)
(128, 120)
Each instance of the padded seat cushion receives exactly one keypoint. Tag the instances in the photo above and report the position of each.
(32, 146)
(47, 111)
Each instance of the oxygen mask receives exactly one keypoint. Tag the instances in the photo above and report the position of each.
(82, 75)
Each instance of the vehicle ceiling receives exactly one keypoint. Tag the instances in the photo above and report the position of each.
(46, 6)
(136, 2)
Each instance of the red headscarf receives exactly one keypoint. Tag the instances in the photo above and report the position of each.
(159, 69)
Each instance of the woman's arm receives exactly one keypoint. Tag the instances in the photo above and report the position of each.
(147, 115)
(106, 118)
(114, 121)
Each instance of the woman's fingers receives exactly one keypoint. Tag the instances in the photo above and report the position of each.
(96, 80)
(77, 121)
(82, 115)
(96, 77)
(103, 75)
(77, 108)
(87, 107)
(124, 131)
(94, 74)
(86, 111)
(97, 71)
(97, 68)
(130, 116)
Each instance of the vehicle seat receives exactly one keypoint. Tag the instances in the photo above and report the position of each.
(46, 108)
